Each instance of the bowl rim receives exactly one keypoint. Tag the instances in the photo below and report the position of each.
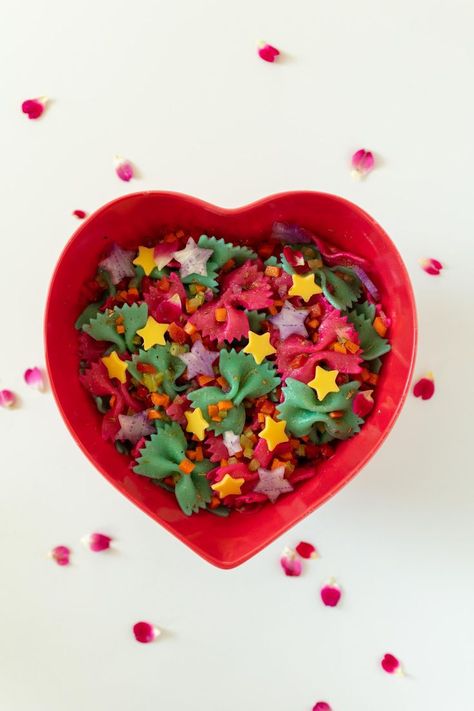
(217, 209)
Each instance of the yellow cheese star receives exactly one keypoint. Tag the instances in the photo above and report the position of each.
(146, 259)
(116, 367)
(304, 286)
(259, 346)
(196, 423)
(228, 485)
(153, 333)
(324, 382)
(273, 432)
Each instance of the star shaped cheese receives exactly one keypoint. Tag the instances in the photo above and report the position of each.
(272, 483)
(227, 486)
(259, 346)
(304, 286)
(273, 433)
(145, 259)
(153, 333)
(324, 382)
(197, 425)
(116, 368)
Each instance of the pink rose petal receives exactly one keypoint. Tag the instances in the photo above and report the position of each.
(34, 378)
(7, 398)
(34, 108)
(61, 555)
(362, 163)
(425, 387)
(123, 168)
(321, 706)
(390, 664)
(267, 52)
(290, 563)
(431, 266)
(331, 593)
(80, 214)
(145, 632)
(306, 550)
(97, 542)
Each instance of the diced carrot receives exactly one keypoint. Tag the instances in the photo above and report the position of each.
(351, 347)
(230, 264)
(163, 284)
(177, 334)
(132, 291)
(339, 348)
(160, 399)
(120, 328)
(316, 311)
(199, 454)
(200, 287)
(191, 306)
(286, 456)
(213, 410)
(123, 295)
(272, 271)
(365, 375)
(222, 382)
(315, 337)
(267, 407)
(273, 310)
(204, 380)
(277, 463)
(314, 323)
(224, 462)
(379, 326)
(220, 315)
(154, 415)
(195, 337)
(373, 379)
(214, 502)
(225, 405)
(186, 466)
(190, 328)
(261, 417)
(112, 401)
(278, 302)
(336, 414)
(119, 320)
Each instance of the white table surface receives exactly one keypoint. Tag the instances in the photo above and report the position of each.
(177, 88)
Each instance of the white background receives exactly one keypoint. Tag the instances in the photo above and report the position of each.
(177, 87)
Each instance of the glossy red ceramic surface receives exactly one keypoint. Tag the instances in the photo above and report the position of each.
(135, 219)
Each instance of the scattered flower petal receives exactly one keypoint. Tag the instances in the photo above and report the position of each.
(391, 665)
(290, 563)
(34, 378)
(7, 398)
(267, 52)
(431, 266)
(331, 593)
(321, 706)
(97, 542)
(34, 108)
(80, 214)
(123, 168)
(306, 550)
(362, 163)
(425, 387)
(61, 554)
(145, 632)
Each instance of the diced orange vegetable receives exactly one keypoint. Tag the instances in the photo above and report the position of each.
(222, 382)
(220, 315)
(267, 407)
(224, 463)
(133, 291)
(230, 264)
(351, 347)
(191, 454)
(314, 323)
(214, 503)
(315, 337)
(336, 414)
(112, 401)
(373, 379)
(278, 302)
(177, 334)
(186, 466)
(163, 284)
(199, 454)
(146, 368)
(261, 417)
(277, 463)
(365, 375)
(316, 311)
(225, 405)
(213, 410)
(154, 415)
(379, 326)
(204, 380)
(273, 310)
(190, 328)
(272, 271)
(191, 306)
(195, 337)
(339, 348)
(160, 399)
(120, 328)
(119, 320)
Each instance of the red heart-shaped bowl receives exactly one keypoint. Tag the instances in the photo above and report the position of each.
(130, 220)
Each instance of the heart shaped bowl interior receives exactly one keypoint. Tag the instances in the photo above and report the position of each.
(138, 218)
